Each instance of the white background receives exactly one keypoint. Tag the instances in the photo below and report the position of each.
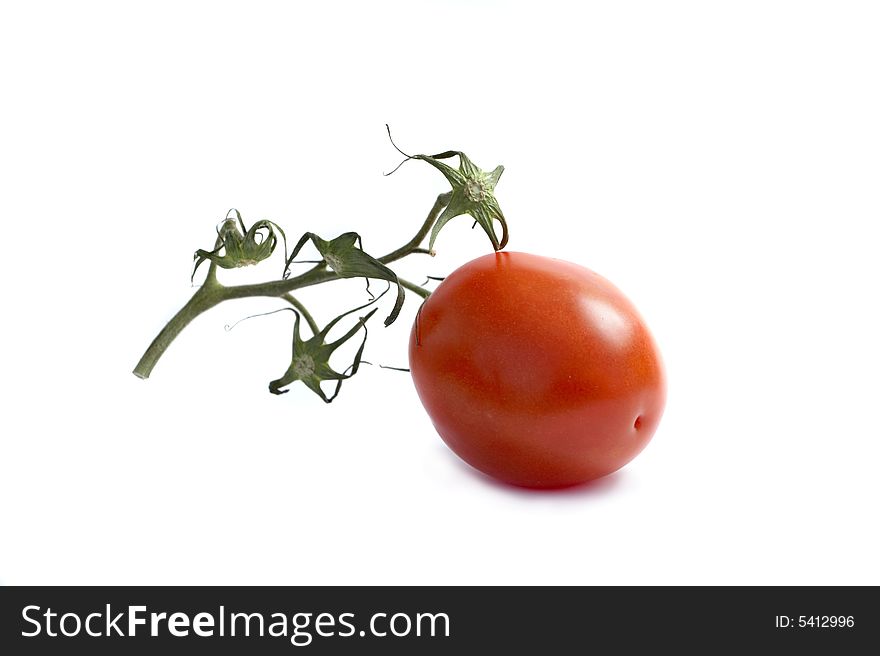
(718, 161)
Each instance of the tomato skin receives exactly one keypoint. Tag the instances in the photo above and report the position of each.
(536, 371)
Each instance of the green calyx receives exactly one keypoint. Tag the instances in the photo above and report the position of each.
(346, 258)
(310, 360)
(241, 246)
(472, 193)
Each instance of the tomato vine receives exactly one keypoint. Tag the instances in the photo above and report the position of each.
(236, 246)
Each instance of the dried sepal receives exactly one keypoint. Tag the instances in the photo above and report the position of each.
(241, 246)
(345, 257)
(473, 193)
(310, 360)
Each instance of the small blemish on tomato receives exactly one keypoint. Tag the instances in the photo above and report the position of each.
(637, 424)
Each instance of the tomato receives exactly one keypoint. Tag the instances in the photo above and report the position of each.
(536, 371)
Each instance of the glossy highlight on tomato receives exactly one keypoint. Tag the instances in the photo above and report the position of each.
(536, 371)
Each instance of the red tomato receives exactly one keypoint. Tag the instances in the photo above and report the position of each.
(536, 371)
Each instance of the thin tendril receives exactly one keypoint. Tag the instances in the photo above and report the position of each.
(227, 327)
(408, 157)
(385, 366)
(394, 170)
(394, 144)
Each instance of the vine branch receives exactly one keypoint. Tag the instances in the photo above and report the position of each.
(313, 326)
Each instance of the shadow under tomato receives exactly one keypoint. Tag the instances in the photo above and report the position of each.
(595, 488)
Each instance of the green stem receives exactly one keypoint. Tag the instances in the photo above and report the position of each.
(314, 276)
(303, 311)
(406, 284)
(410, 247)
(204, 299)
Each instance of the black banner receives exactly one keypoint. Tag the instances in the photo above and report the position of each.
(435, 620)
